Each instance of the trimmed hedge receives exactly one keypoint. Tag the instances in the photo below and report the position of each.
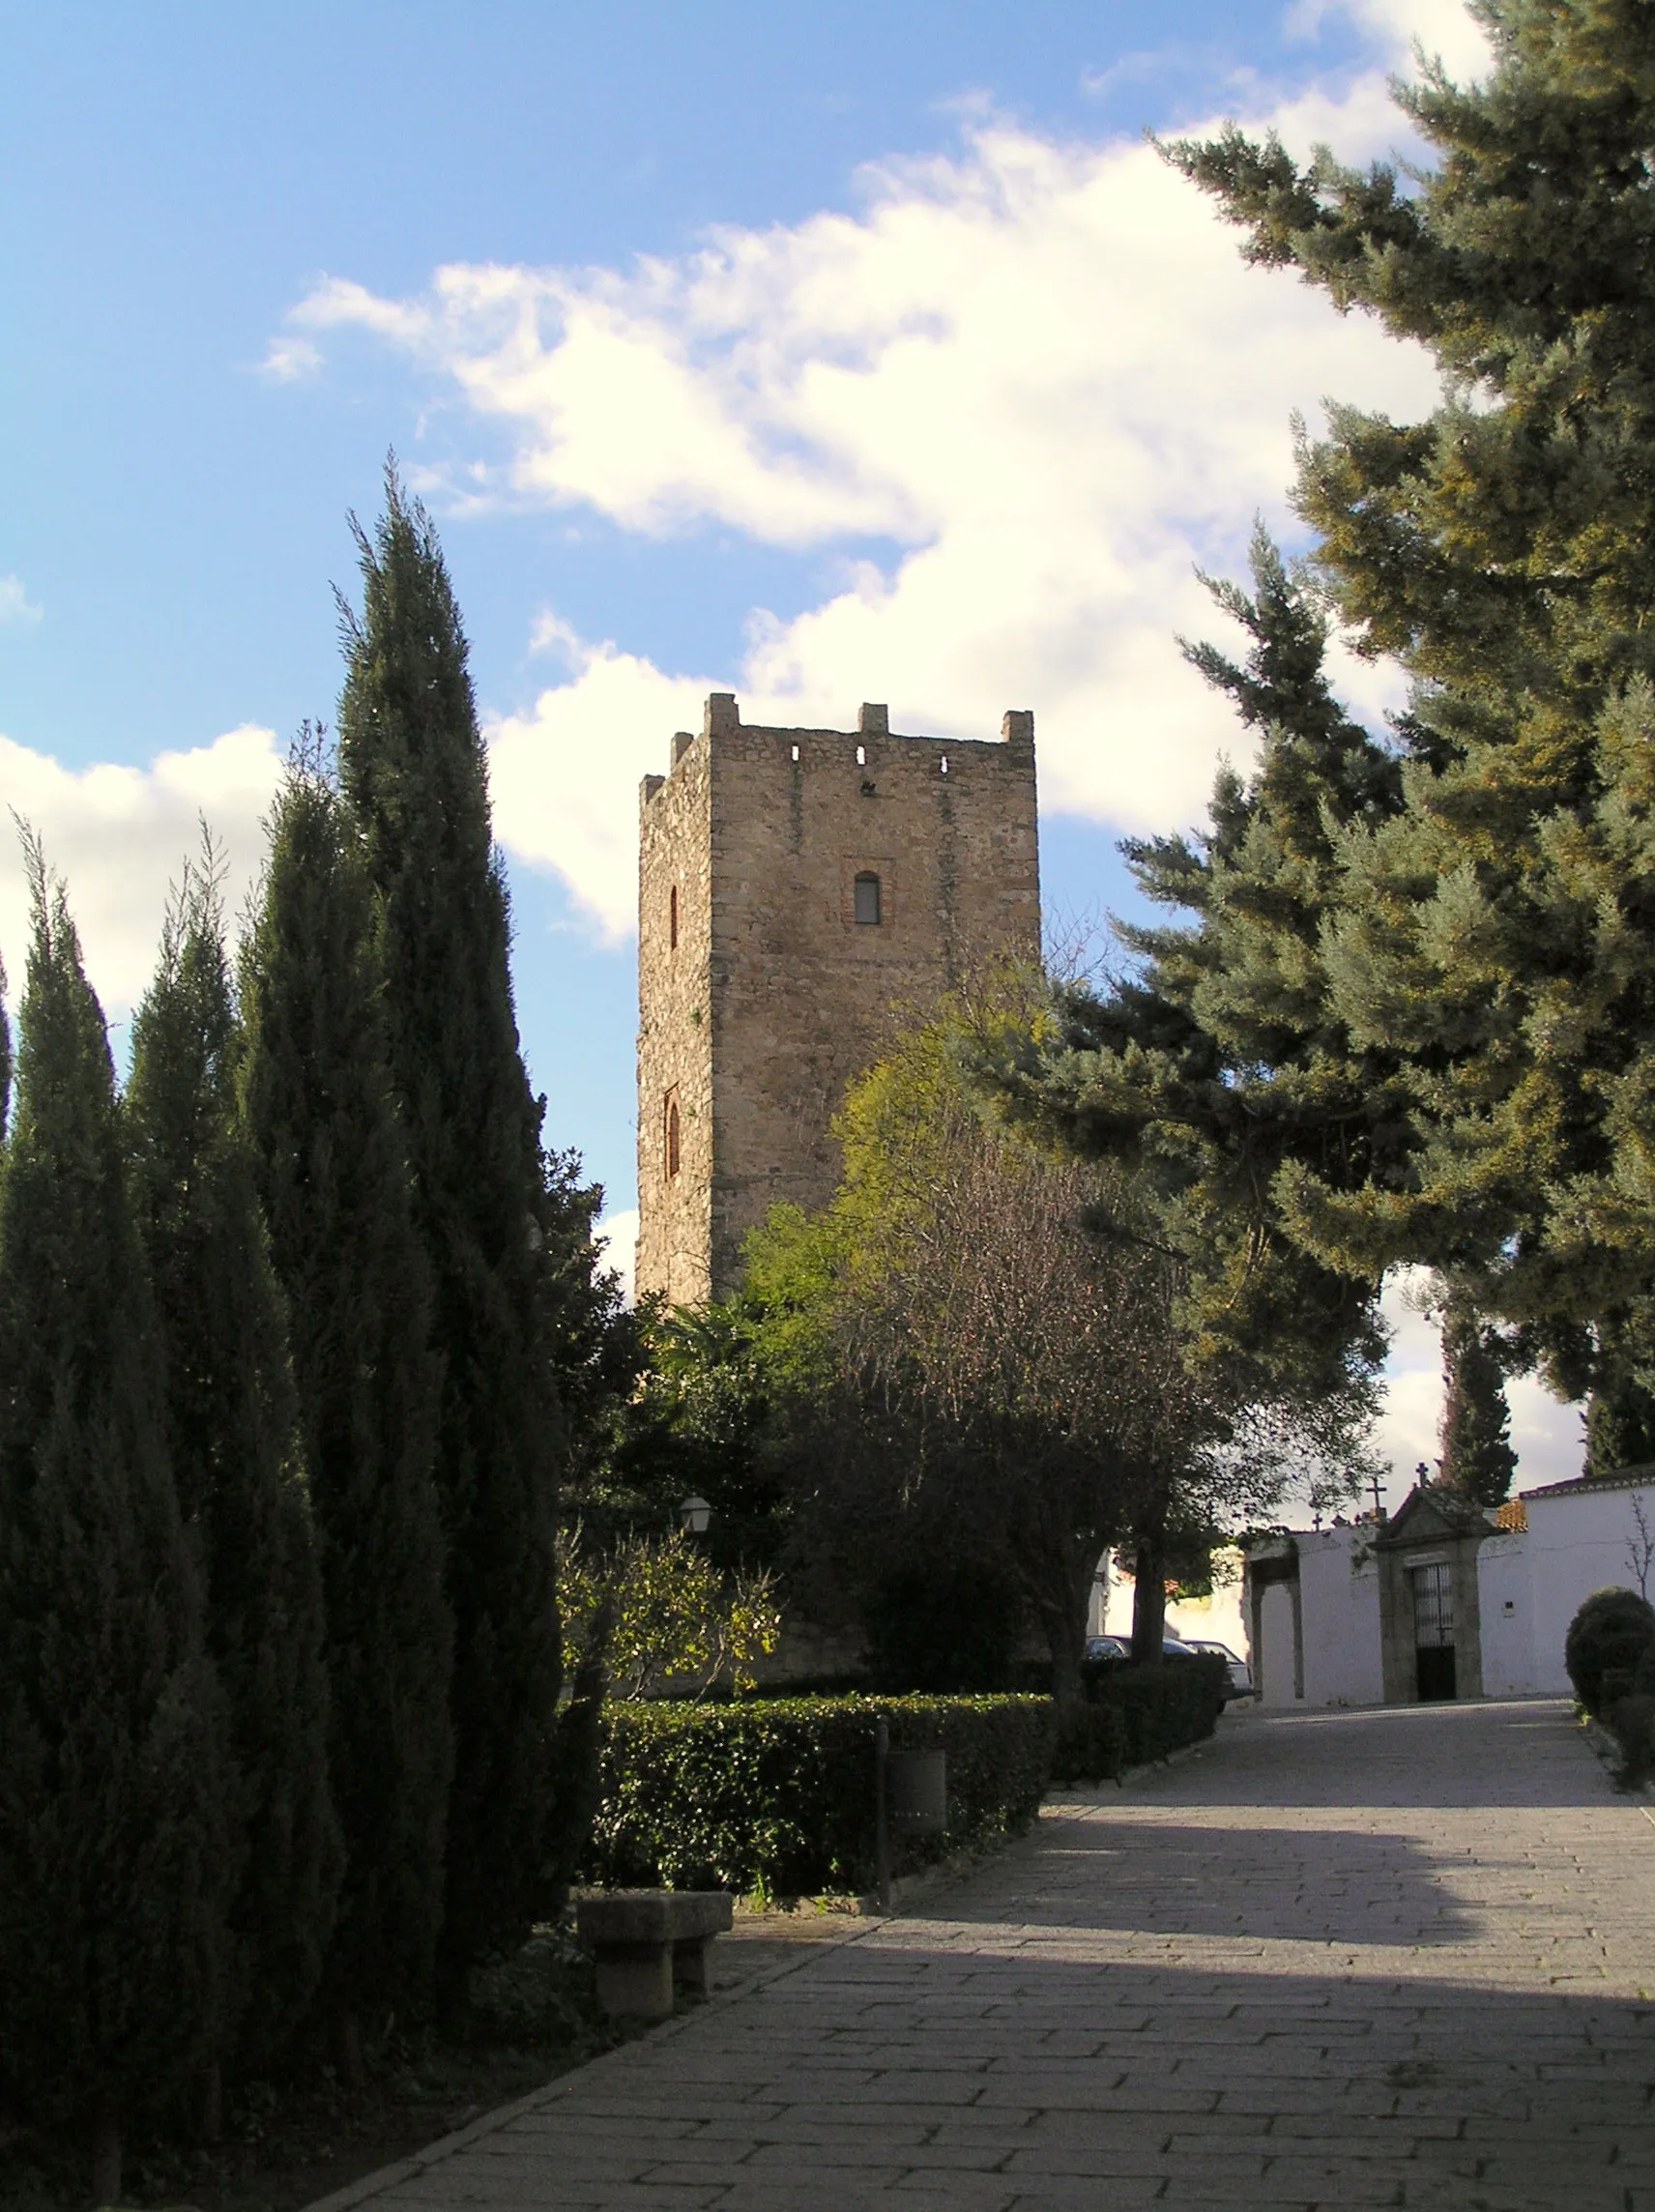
(777, 1795)
(1166, 1706)
(1608, 1635)
(1134, 1715)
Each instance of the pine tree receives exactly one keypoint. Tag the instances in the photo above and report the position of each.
(1496, 931)
(333, 1179)
(1217, 1061)
(414, 773)
(238, 1465)
(115, 1841)
(1477, 1462)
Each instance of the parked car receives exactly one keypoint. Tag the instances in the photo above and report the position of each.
(1109, 1649)
(1240, 1673)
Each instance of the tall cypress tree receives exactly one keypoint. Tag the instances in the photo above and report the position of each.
(333, 1182)
(238, 1465)
(1476, 1461)
(414, 773)
(115, 1845)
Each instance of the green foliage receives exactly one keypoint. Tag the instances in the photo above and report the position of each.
(1090, 1746)
(1164, 1706)
(116, 1845)
(1620, 1419)
(1607, 1638)
(944, 1626)
(238, 1464)
(322, 1123)
(500, 1247)
(992, 1339)
(665, 1610)
(1477, 1461)
(708, 1418)
(1493, 930)
(1217, 1059)
(777, 1795)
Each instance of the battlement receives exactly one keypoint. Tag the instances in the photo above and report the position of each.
(797, 888)
(722, 725)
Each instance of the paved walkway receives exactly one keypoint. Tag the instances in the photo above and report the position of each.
(1400, 1957)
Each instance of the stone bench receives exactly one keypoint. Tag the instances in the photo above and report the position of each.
(647, 1940)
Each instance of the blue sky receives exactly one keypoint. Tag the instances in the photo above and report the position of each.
(855, 352)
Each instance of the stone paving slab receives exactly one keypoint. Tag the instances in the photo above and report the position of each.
(1396, 1958)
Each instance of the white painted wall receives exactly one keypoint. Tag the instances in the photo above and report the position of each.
(1273, 1663)
(1578, 1543)
(1339, 1593)
(1505, 1599)
(1217, 1617)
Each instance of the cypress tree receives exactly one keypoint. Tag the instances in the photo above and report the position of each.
(334, 1187)
(1497, 931)
(414, 773)
(238, 1468)
(116, 1843)
(1477, 1462)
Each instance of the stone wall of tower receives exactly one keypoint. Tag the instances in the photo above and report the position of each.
(776, 996)
(675, 1027)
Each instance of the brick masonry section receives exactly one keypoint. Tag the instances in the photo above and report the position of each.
(1388, 1957)
(774, 996)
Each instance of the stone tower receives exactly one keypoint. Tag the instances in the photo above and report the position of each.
(792, 887)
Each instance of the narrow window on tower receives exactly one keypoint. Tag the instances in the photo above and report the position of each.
(866, 894)
(672, 920)
(672, 1136)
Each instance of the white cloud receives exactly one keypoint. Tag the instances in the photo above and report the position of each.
(617, 1239)
(118, 835)
(1445, 29)
(1043, 371)
(15, 605)
(291, 358)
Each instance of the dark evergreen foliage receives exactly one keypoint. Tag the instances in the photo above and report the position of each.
(5, 1058)
(238, 1468)
(1217, 1061)
(1477, 1462)
(115, 1842)
(1620, 1421)
(1497, 931)
(500, 1245)
(1610, 1635)
(330, 1150)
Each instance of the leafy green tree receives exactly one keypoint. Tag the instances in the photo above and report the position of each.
(1008, 1384)
(238, 1468)
(116, 1802)
(321, 1116)
(1496, 929)
(1477, 1461)
(666, 1610)
(500, 1248)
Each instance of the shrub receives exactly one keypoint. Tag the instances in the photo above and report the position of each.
(1092, 1745)
(1606, 1639)
(1166, 1705)
(777, 1795)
